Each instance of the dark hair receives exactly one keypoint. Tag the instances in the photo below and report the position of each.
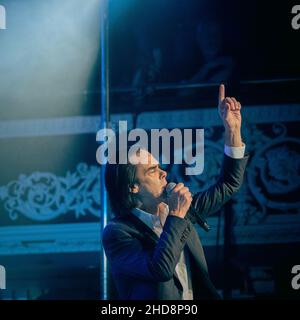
(118, 180)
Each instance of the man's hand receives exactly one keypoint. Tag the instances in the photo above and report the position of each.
(179, 200)
(230, 113)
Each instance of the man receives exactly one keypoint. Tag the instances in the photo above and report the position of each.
(152, 246)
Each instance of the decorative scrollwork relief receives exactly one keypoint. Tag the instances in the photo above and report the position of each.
(43, 196)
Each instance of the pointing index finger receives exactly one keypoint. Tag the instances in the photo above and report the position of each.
(221, 93)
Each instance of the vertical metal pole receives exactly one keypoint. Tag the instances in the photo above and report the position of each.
(104, 124)
(228, 230)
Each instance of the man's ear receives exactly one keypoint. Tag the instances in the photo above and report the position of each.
(134, 188)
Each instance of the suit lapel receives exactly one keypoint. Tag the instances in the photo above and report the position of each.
(193, 244)
(196, 250)
(148, 235)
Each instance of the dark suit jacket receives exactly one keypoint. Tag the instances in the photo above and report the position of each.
(143, 265)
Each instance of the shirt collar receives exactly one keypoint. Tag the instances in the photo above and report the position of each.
(152, 221)
(149, 219)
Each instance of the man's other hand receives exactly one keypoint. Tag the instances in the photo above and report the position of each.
(230, 113)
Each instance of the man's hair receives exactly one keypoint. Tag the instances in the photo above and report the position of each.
(119, 178)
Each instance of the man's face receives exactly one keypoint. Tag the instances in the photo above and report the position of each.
(151, 179)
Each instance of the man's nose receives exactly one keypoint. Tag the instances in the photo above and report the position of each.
(163, 174)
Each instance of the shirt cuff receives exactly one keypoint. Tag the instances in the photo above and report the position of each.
(235, 152)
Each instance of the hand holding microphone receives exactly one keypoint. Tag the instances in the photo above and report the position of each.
(179, 201)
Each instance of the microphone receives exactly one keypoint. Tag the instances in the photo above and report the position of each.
(202, 222)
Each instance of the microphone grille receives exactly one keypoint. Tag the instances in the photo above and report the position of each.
(170, 186)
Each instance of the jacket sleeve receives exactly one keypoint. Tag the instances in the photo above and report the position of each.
(128, 256)
(229, 182)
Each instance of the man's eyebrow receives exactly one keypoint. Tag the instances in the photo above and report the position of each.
(152, 167)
